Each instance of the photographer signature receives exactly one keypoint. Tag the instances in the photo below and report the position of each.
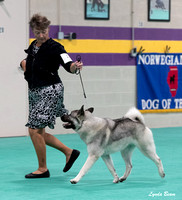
(161, 194)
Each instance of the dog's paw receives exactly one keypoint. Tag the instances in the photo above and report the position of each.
(163, 175)
(116, 180)
(73, 181)
(122, 179)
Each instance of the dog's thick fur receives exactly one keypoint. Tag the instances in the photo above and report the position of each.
(104, 136)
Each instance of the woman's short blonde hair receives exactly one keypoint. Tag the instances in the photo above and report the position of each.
(39, 22)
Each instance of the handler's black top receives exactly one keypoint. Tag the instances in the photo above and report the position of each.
(42, 67)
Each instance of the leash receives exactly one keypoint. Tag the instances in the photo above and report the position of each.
(78, 58)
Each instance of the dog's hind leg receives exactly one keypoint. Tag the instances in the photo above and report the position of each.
(147, 147)
(126, 154)
(109, 163)
(88, 164)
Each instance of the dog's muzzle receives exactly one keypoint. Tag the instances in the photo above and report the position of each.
(69, 123)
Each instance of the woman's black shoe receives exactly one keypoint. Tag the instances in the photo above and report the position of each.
(73, 157)
(43, 175)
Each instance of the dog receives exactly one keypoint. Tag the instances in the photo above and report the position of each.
(172, 79)
(104, 136)
(100, 5)
(160, 4)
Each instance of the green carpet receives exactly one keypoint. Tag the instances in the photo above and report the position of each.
(17, 158)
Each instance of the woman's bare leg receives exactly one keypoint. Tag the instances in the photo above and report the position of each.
(37, 137)
(52, 141)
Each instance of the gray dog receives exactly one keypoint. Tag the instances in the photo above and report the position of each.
(104, 136)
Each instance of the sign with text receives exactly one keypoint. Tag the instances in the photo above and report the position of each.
(159, 82)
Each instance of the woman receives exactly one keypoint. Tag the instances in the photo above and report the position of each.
(46, 93)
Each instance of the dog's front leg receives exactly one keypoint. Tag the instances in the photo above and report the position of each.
(88, 164)
(109, 163)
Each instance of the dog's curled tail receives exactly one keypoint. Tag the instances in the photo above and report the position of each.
(135, 115)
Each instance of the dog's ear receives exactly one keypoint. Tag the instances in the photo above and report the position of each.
(81, 111)
(90, 109)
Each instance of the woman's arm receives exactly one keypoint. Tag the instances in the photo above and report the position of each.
(23, 65)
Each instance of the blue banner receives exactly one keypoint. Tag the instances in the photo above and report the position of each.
(159, 82)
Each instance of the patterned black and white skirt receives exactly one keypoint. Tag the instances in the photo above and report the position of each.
(45, 104)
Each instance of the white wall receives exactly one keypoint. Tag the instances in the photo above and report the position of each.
(65, 12)
(13, 40)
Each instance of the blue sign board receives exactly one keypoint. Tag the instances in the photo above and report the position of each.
(159, 82)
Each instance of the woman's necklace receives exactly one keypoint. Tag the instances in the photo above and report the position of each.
(35, 48)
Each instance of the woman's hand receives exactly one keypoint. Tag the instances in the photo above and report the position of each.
(76, 66)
